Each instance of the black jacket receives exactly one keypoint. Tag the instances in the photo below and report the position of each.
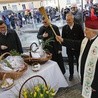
(11, 40)
(55, 45)
(72, 37)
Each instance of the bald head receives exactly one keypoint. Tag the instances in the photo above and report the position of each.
(74, 8)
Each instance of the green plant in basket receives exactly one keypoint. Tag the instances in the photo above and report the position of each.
(39, 91)
(14, 53)
(46, 43)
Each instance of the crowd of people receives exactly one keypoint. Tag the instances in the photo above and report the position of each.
(19, 18)
(14, 20)
(80, 43)
(23, 17)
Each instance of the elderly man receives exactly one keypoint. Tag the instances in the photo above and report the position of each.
(9, 39)
(72, 35)
(88, 60)
(45, 32)
(77, 14)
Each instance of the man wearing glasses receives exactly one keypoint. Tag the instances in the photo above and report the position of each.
(77, 14)
(9, 39)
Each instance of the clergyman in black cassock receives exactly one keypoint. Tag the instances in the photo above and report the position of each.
(45, 32)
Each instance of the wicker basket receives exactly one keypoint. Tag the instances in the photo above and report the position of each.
(28, 81)
(30, 60)
(11, 74)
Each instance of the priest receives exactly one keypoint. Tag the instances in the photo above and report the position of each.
(9, 39)
(88, 59)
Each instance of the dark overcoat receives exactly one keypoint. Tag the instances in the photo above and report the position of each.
(56, 46)
(11, 40)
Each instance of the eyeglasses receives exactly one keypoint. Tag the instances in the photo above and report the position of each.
(2, 27)
(44, 22)
(73, 7)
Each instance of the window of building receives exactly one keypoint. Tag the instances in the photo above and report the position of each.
(4, 8)
(77, 1)
(68, 1)
(14, 7)
(23, 6)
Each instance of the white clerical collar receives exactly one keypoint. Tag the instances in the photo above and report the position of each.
(71, 26)
(4, 33)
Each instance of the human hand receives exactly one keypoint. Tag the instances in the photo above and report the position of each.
(93, 90)
(59, 51)
(45, 35)
(59, 38)
(3, 47)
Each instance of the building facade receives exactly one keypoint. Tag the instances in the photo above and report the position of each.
(20, 5)
(36, 4)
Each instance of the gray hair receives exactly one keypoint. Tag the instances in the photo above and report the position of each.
(70, 15)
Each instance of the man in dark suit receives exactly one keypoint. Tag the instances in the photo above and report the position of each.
(72, 35)
(45, 32)
(9, 39)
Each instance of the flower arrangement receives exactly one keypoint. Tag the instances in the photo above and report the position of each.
(14, 53)
(38, 91)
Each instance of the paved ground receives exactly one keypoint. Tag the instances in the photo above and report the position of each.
(70, 92)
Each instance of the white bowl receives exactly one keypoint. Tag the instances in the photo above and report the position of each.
(36, 67)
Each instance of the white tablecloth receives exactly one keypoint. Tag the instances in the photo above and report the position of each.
(51, 73)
